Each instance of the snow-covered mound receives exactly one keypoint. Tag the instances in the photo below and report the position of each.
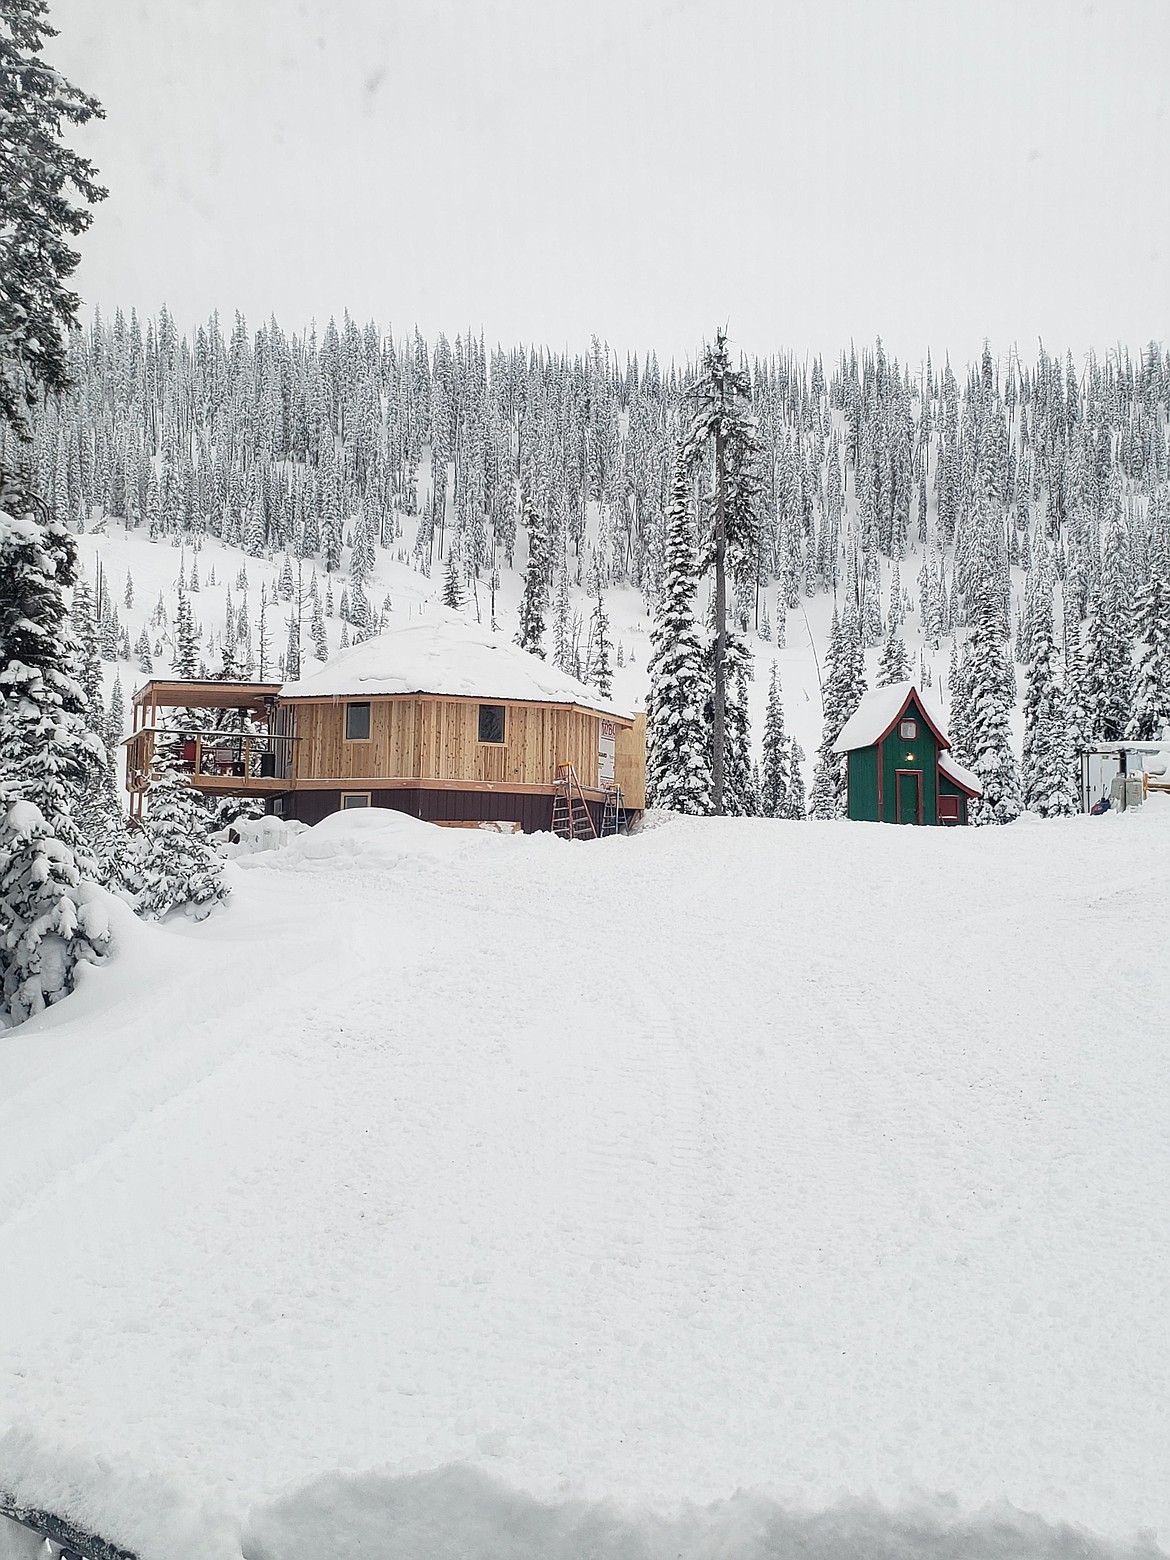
(446, 652)
(825, 1163)
(376, 838)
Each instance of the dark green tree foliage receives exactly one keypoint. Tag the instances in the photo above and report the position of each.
(40, 179)
(988, 706)
(1151, 710)
(452, 585)
(678, 773)
(775, 778)
(844, 689)
(534, 601)
(894, 665)
(178, 868)
(1048, 787)
(723, 434)
(1107, 685)
(796, 802)
(601, 669)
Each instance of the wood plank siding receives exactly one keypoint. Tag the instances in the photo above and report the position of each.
(438, 739)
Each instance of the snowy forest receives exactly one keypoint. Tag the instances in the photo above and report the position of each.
(1000, 534)
(1014, 516)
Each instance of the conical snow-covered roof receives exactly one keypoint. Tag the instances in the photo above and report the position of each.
(445, 654)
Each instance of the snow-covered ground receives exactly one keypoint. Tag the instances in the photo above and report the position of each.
(824, 1163)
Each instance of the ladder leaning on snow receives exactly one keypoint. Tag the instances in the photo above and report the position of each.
(571, 818)
(70, 1542)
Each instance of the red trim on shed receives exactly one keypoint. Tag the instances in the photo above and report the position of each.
(913, 694)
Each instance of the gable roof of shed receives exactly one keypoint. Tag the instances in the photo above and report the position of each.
(445, 654)
(879, 712)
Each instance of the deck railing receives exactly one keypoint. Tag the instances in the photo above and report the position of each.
(209, 754)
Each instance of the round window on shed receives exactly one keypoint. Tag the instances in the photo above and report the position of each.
(908, 729)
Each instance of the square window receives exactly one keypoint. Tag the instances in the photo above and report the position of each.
(491, 723)
(357, 722)
(354, 799)
(908, 729)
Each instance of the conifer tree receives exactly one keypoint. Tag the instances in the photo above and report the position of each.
(601, 672)
(723, 428)
(678, 775)
(796, 801)
(844, 688)
(1107, 682)
(38, 215)
(1047, 760)
(1151, 708)
(775, 774)
(988, 704)
(530, 635)
(894, 665)
(452, 586)
(177, 865)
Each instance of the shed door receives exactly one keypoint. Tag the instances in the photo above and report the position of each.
(909, 796)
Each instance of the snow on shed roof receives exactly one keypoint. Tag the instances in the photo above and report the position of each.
(963, 778)
(877, 712)
(445, 653)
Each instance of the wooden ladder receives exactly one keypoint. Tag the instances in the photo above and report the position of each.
(571, 818)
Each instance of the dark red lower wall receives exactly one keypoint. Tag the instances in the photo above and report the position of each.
(532, 812)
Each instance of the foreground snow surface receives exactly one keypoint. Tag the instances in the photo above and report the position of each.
(822, 1163)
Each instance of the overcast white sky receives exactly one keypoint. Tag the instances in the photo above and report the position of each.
(806, 170)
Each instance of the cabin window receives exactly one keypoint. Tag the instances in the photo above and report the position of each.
(357, 722)
(354, 798)
(948, 809)
(491, 723)
(908, 729)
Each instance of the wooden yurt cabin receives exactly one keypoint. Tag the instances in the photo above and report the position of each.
(900, 766)
(447, 721)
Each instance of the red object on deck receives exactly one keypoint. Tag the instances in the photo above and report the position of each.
(189, 752)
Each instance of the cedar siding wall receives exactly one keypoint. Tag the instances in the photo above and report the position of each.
(629, 763)
(438, 739)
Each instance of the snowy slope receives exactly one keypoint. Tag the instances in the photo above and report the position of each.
(819, 1161)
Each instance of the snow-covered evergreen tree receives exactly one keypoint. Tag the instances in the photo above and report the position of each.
(894, 665)
(1047, 769)
(774, 782)
(177, 865)
(1151, 708)
(530, 635)
(600, 670)
(452, 584)
(1107, 681)
(844, 689)
(678, 775)
(796, 800)
(723, 431)
(988, 707)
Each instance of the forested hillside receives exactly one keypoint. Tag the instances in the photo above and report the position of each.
(1029, 497)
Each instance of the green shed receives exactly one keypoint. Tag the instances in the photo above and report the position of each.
(900, 765)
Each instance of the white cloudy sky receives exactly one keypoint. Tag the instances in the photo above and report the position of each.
(806, 170)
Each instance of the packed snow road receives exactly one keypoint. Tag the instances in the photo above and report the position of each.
(811, 1160)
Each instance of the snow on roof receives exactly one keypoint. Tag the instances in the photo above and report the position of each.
(444, 652)
(877, 712)
(962, 777)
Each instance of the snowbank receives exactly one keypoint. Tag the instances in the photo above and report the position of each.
(628, 1175)
(457, 1513)
(376, 838)
(445, 652)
